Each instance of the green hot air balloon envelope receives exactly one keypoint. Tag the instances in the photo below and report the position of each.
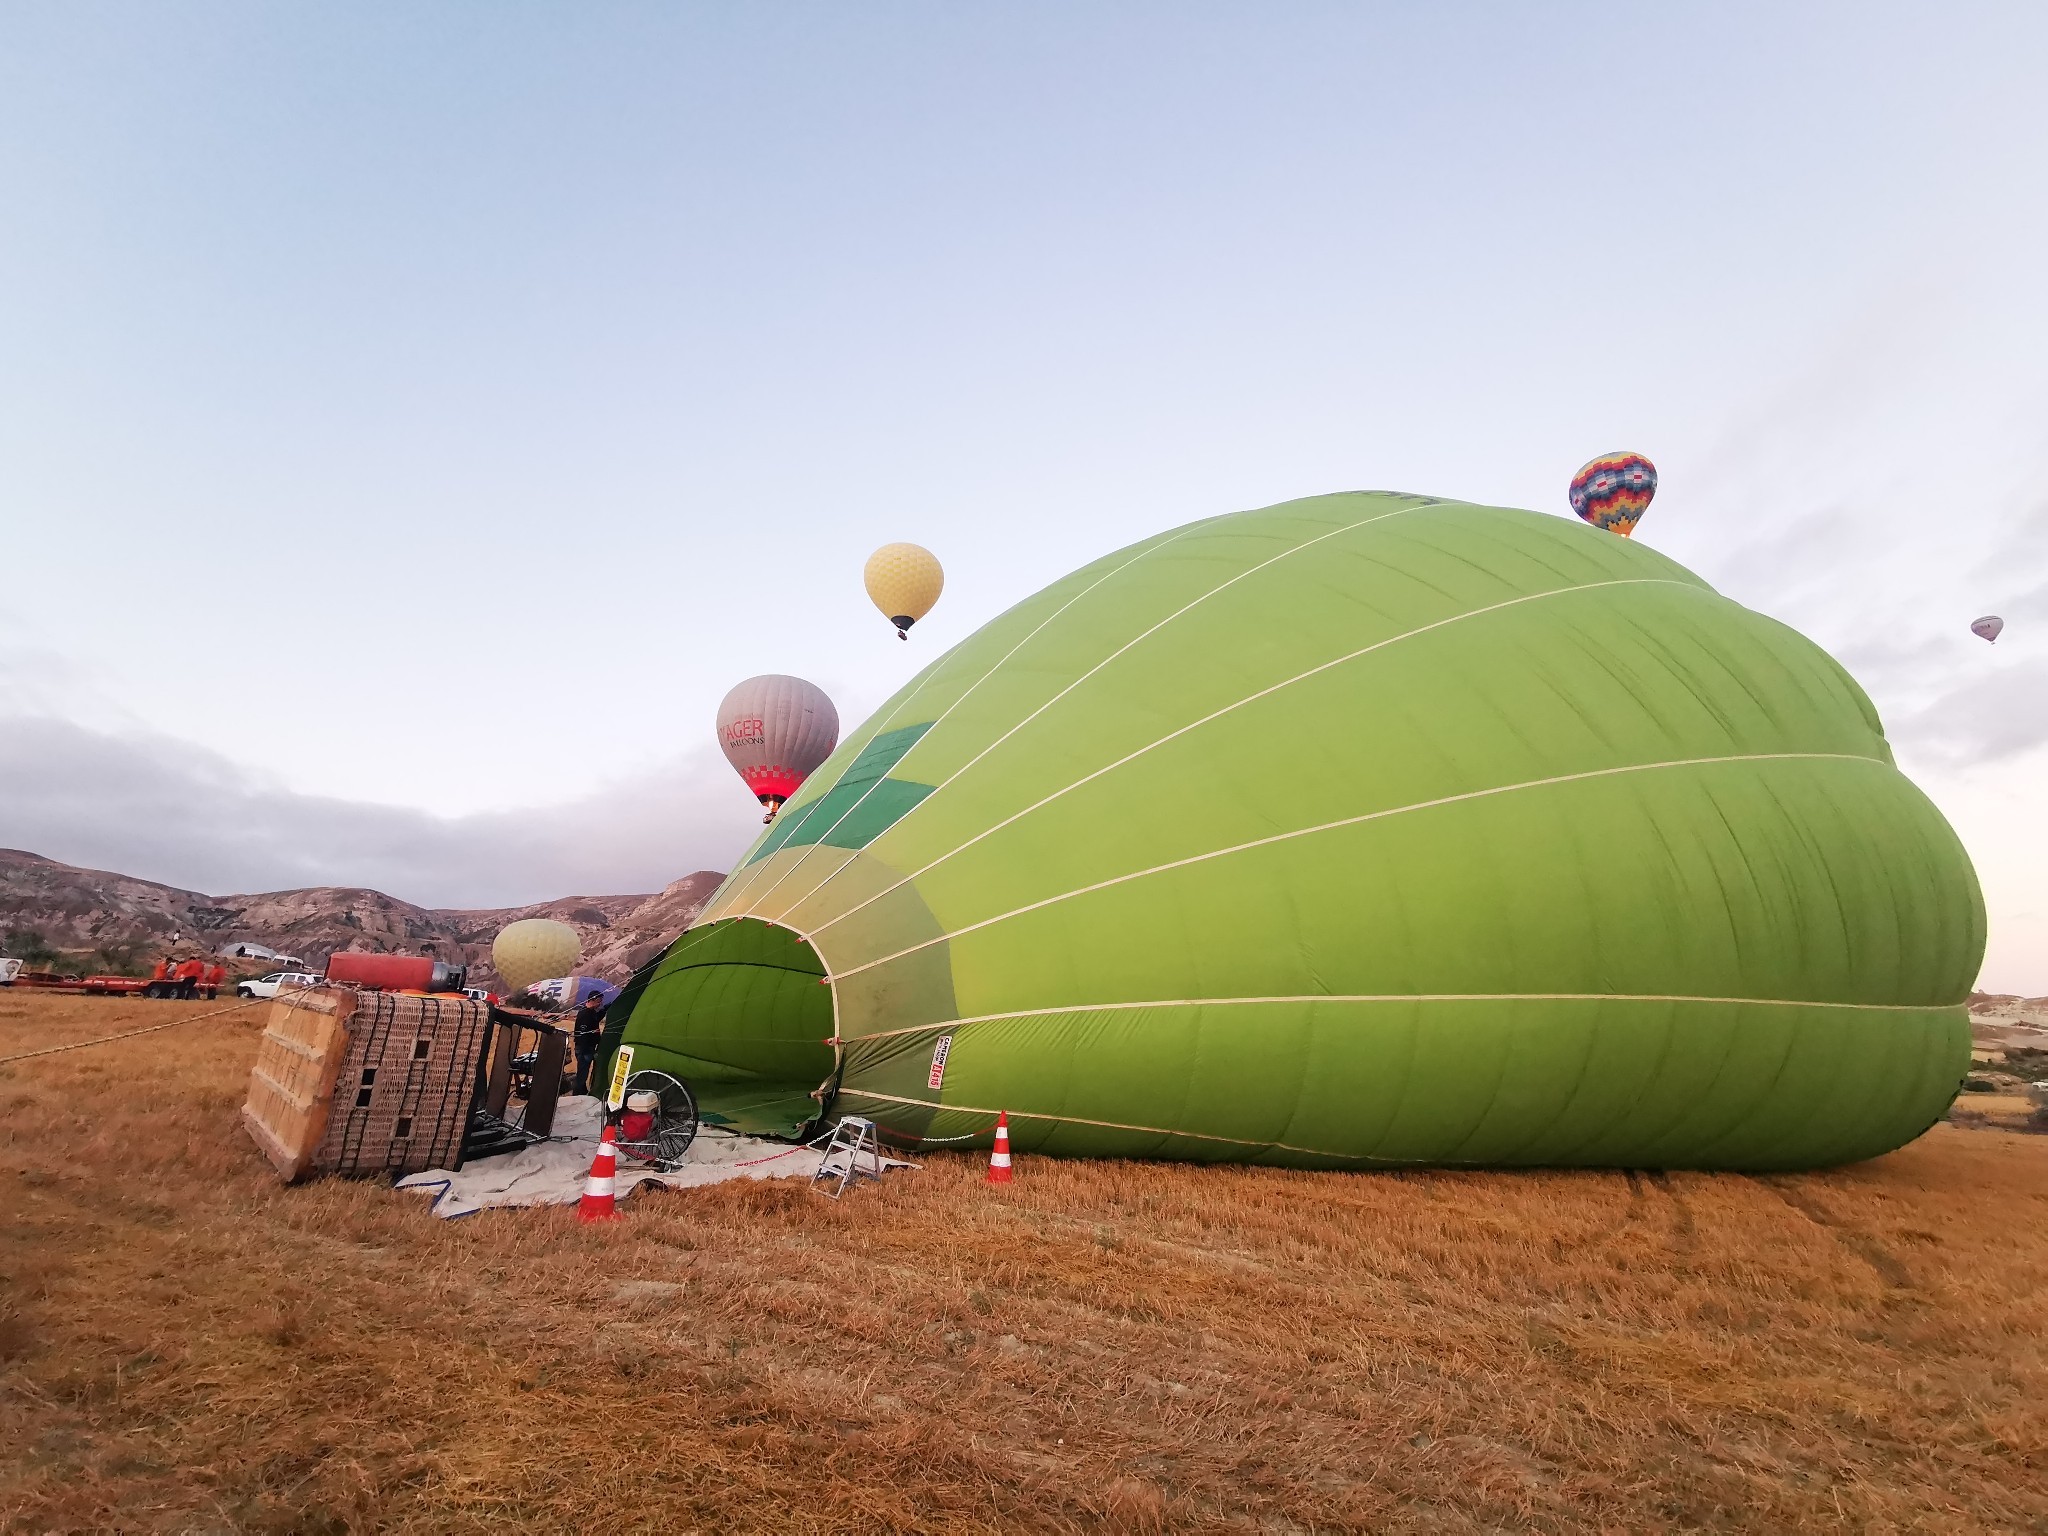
(1363, 830)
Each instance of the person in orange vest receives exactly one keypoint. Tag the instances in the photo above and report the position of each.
(162, 969)
(188, 974)
(216, 977)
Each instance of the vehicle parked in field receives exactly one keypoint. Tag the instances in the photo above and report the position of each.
(185, 987)
(9, 969)
(275, 982)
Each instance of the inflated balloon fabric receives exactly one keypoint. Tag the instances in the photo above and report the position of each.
(534, 949)
(1614, 491)
(904, 581)
(1990, 627)
(1362, 830)
(774, 731)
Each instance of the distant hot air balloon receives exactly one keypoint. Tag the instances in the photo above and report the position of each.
(569, 991)
(904, 580)
(1612, 491)
(774, 731)
(1988, 627)
(533, 949)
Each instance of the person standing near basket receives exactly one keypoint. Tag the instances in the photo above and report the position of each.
(589, 1028)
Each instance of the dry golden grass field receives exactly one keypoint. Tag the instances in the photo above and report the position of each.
(185, 1345)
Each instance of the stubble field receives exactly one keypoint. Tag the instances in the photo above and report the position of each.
(186, 1345)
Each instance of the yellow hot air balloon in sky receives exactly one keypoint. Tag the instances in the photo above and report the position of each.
(904, 580)
(534, 949)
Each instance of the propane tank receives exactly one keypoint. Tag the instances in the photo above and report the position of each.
(395, 973)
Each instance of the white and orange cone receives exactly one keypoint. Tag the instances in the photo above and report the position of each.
(999, 1160)
(600, 1190)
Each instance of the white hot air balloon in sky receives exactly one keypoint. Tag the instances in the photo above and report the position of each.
(533, 949)
(1988, 627)
(904, 581)
(774, 730)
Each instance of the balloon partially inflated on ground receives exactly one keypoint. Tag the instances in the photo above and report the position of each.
(904, 581)
(1367, 830)
(533, 949)
(775, 730)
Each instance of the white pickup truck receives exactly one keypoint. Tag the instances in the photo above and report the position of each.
(275, 982)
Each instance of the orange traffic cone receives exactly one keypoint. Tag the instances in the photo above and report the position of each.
(999, 1160)
(599, 1201)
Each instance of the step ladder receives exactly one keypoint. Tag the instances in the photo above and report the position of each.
(853, 1139)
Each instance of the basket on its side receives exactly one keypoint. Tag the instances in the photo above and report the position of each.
(360, 1083)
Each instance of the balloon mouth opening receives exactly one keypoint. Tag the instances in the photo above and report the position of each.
(774, 804)
(746, 1024)
(902, 623)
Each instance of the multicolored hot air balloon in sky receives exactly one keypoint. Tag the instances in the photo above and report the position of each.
(904, 581)
(1613, 491)
(1988, 628)
(774, 730)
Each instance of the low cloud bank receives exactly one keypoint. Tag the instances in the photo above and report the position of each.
(163, 809)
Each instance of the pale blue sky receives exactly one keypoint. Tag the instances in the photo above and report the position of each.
(503, 365)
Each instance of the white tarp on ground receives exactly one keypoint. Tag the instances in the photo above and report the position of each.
(552, 1173)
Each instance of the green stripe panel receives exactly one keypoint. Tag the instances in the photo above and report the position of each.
(861, 804)
(850, 816)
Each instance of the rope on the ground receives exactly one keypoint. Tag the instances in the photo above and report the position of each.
(773, 1157)
(79, 1045)
(805, 1146)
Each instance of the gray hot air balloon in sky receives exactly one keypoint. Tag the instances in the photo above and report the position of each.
(774, 731)
(1988, 627)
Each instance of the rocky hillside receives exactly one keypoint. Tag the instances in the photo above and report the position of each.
(96, 917)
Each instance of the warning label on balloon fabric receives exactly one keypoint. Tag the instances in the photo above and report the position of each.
(622, 1069)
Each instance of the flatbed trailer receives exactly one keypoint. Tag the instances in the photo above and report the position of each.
(112, 986)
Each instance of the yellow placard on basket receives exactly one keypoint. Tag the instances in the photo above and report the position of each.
(622, 1068)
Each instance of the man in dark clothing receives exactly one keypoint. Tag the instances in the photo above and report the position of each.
(589, 1027)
